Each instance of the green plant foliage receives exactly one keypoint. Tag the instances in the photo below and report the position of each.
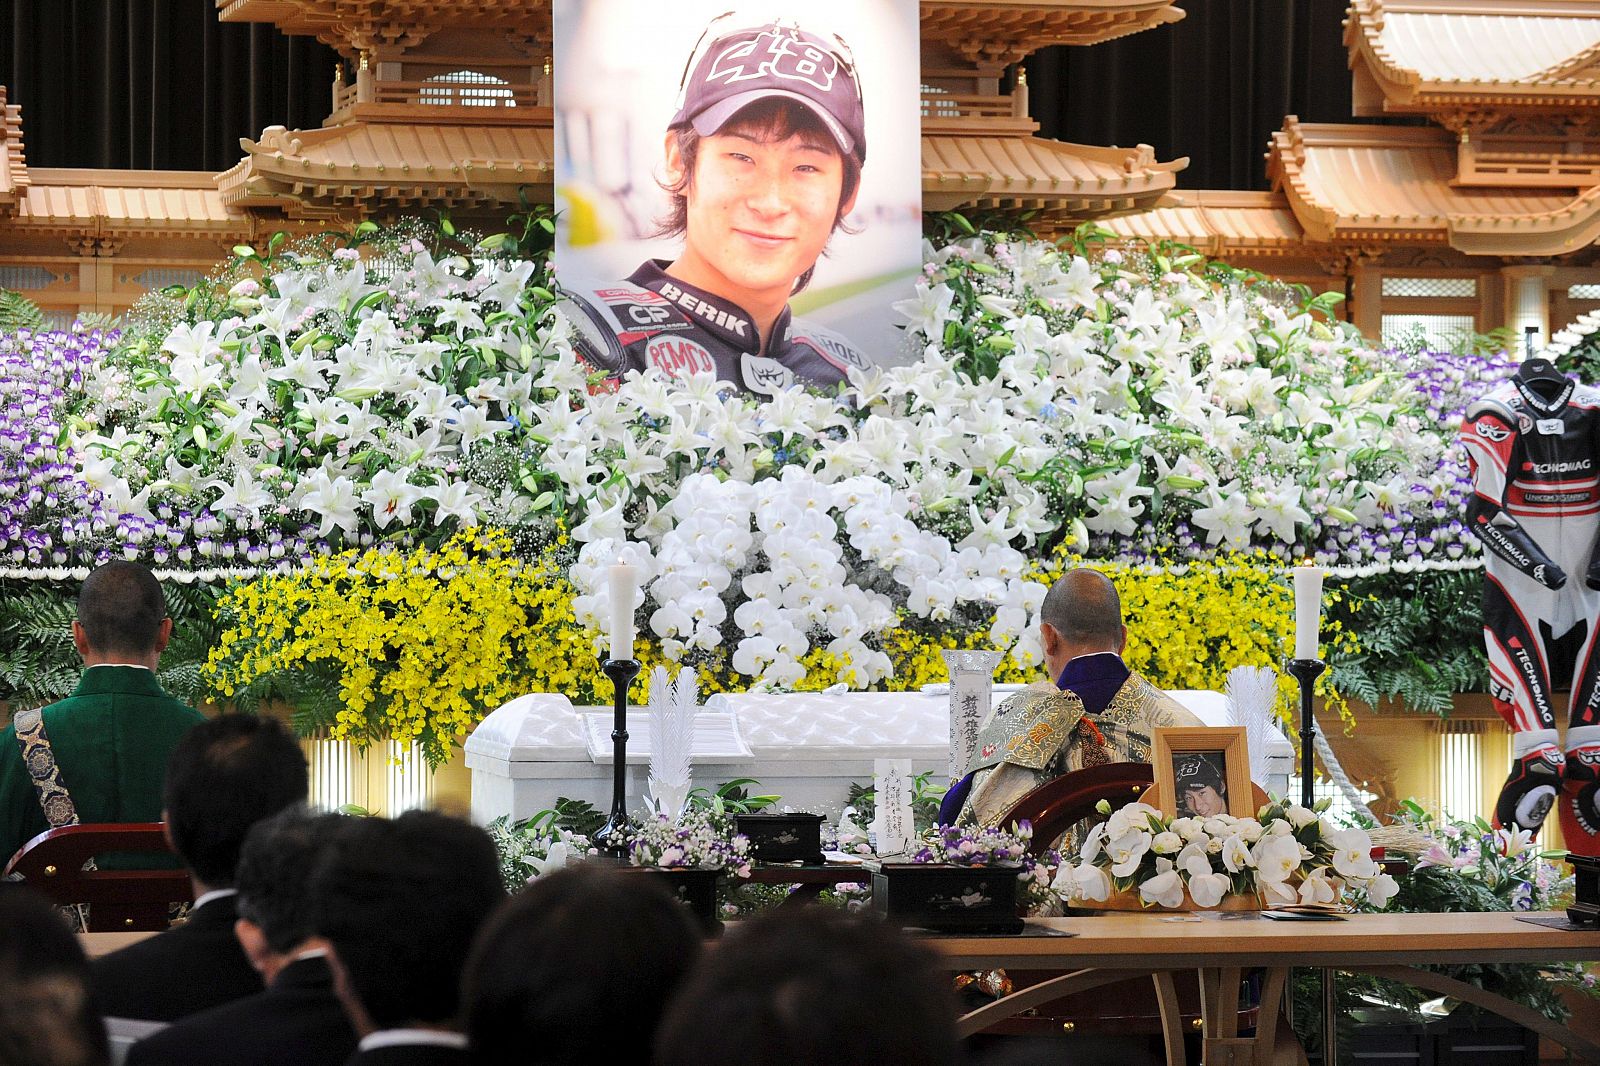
(1499, 339)
(18, 312)
(1421, 639)
(926, 795)
(942, 227)
(732, 797)
(39, 663)
(578, 816)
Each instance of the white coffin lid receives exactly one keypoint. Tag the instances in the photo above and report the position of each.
(803, 726)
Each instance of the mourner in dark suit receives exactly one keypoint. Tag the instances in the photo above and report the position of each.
(298, 1019)
(224, 776)
(399, 903)
(100, 754)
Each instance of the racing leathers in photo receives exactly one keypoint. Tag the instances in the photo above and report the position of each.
(654, 320)
(1532, 445)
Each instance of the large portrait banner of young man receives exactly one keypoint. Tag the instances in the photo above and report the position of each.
(739, 191)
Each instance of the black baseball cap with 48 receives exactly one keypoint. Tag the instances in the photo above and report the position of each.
(742, 66)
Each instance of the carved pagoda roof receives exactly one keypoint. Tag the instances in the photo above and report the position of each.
(1004, 31)
(352, 22)
(1428, 56)
(366, 164)
(13, 164)
(1375, 184)
(1065, 181)
(1218, 223)
(988, 30)
(125, 204)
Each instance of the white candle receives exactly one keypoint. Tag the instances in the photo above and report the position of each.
(1307, 610)
(624, 580)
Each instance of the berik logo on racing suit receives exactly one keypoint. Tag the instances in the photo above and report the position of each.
(1491, 431)
(1530, 674)
(1573, 467)
(679, 356)
(706, 312)
(1538, 573)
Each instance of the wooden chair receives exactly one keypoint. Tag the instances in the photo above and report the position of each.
(1055, 808)
(119, 900)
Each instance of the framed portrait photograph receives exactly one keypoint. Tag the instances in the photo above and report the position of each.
(738, 191)
(1202, 772)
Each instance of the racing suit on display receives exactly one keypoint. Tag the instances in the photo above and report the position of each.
(655, 320)
(1532, 446)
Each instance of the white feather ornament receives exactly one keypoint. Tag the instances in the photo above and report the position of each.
(672, 712)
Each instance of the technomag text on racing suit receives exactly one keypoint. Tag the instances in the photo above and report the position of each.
(1532, 446)
(655, 320)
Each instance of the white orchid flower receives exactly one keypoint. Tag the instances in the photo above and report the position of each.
(1127, 852)
(1207, 889)
(1352, 854)
(1163, 890)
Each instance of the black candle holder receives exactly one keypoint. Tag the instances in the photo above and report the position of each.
(1306, 672)
(613, 837)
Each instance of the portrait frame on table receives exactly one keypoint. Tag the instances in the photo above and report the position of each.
(1197, 759)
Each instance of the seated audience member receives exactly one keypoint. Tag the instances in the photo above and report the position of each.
(98, 755)
(47, 1015)
(1094, 709)
(573, 941)
(297, 1019)
(399, 903)
(812, 987)
(224, 776)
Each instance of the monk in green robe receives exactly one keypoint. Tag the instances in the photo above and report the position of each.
(1094, 709)
(99, 755)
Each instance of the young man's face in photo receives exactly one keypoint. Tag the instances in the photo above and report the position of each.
(760, 211)
(1203, 801)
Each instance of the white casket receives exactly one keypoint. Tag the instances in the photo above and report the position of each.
(806, 747)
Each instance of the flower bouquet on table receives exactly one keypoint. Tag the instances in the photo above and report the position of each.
(964, 879)
(699, 839)
(537, 846)
(1287, 855)
(691, 851)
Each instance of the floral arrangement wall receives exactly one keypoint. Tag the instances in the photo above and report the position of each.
(388, 389)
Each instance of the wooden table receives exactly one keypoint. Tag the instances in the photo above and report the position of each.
(809, 880)
(1107, 948)
(97, 944)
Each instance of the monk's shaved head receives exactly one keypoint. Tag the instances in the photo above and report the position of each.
(1084, 608)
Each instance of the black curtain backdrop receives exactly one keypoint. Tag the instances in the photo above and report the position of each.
(163, 84)
(1212, 87)
(153, 84)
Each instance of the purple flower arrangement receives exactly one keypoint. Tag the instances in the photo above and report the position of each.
(1419, 528)
(969, 845)
(53, 521)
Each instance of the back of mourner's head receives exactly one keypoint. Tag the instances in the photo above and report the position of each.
(812, 987)
(1084, 608)
(121, 608)
(399, 902)
(224, 776)
(47, 1016)
(575, 939)
(274, 864)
